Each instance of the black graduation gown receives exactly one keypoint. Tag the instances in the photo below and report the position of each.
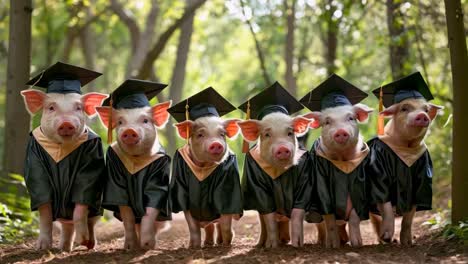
(292, 189)
(334, 185)
(149, 187)
(217, 194)
(77, 178)
(392, 180)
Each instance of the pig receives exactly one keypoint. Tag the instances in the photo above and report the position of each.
(205, 183)
(339, 159)
(276, 179)
(64, 183)
(401, 167)
(138, 191)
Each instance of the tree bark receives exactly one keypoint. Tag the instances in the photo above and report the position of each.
(88, 48)
(19, 58)
(459, 62)
(179, 71)
(154, 53)
(399, 46)
(289, 47)
(258, 48)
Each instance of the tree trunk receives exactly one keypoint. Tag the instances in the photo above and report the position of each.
(459, 62)
(88, 48)
(19, 58)
(289, 47)
(178, 73)
(330, 37)
(399, 47)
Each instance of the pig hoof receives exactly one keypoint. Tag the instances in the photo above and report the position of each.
(194, 245)
(66, 246)
(271, 243)
(44, 242)
(148, 244)
(356, 242)
(219, 239)
(406, 240)
(130, 244)
(208, 243)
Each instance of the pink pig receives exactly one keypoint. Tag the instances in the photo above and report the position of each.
(63, 128)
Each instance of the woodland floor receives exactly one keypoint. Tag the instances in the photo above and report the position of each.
(172, 245)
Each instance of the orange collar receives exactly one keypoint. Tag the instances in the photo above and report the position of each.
(273, 172)
(134, 164)
(408, 155)
(56, 150)
(201, 173)
(349, 165)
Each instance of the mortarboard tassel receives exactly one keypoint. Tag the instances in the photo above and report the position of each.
(380, 118)
(245, 144)
(109, 124)
(187, 118)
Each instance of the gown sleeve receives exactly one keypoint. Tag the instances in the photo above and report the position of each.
(228, 196)
(179, 185)
(258, 193)
(303, 189)
(36, 175)
(378, 173)
(115, 191)
(156, 191)
(87, 188)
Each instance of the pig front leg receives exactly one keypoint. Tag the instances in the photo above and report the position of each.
(387, 227)
(283, 231)
(297, 227)
(321, 233)
(45, 227)
(272, 234)
(148, 231)
(406, 237)
(194, 229)
(80, 223)
(128, 218)
(92, 236)
(225, 230)
(263, 232)
(354, 229)
(209, 235)
(331, 235)
(66, 237)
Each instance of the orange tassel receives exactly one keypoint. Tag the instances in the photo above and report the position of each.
(380, 119)
(187, 118)
(245, 144)
(109, 124)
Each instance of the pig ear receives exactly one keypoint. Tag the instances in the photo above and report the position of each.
(390, 111)
(362, 112)
(250, 129)
(232, 129)
(301, 125)
(315, 116)
(91, 100)
(160, 114)
(104, 114)
(33, 99)
(182, 128)
(434, 110)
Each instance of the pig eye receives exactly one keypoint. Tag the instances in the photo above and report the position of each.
(267, 135)
(145, 121)
(327, 122)
(78, 108)
(120, 122)
(51, 108)
(404, 109)
(200, 135)
(222, 134)
(351, 118)
(290, 134)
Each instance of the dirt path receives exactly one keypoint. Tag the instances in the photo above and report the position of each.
(172, 248)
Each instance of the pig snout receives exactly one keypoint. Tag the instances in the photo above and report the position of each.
(341, 136)
(130, 137)
(215, 148)
(66, 129)
(283, 153)
(421, 120)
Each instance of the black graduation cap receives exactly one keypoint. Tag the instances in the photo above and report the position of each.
(63, 78)
(411, 86)
(134, 94)
(205, 103)
(334, 91)
(273, 99)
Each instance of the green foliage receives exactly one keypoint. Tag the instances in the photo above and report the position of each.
(441, 221)
(16, 220)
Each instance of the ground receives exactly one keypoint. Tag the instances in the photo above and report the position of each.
(172, 245)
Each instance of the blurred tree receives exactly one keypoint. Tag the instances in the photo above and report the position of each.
(289, 76)
(179, 70)
(459, 61)
(19, 58)
(398, 42)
